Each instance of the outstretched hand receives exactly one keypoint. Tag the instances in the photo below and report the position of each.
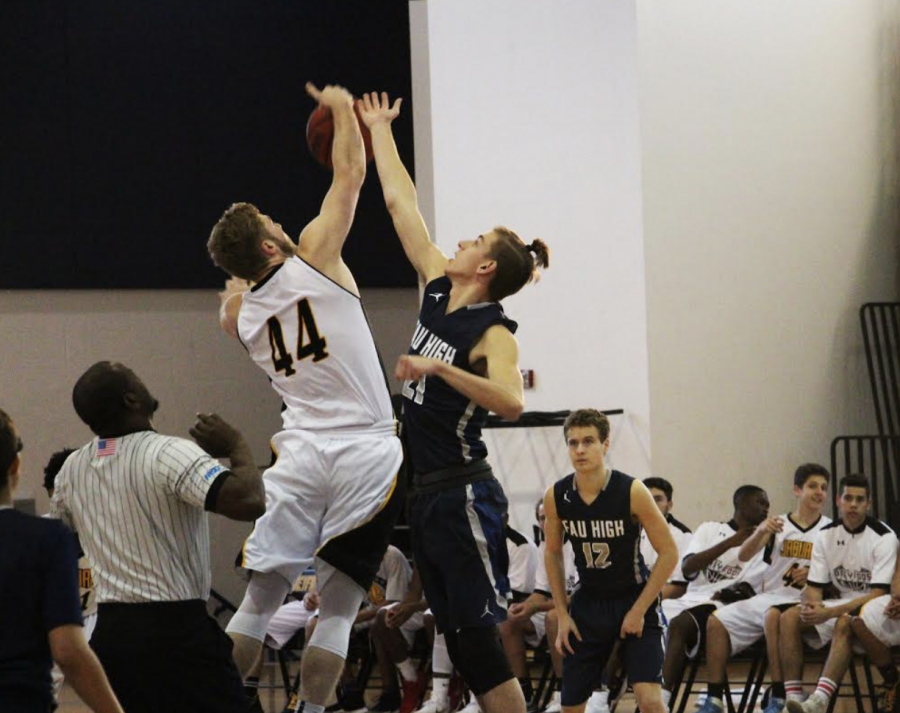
(374, 110)
(332, 96)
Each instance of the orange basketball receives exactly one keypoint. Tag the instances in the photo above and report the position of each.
(320, 135)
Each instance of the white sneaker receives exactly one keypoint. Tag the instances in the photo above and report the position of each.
(432, 706)
(598, 702)
(813, 704)
(472, 706)
(555, 704)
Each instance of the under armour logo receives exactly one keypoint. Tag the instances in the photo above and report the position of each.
(436, 295)
(841, 542)
(566, 496)
(487, 609)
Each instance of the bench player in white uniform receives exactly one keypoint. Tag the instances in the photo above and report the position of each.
(787, 544)
(877, 629)
(857, 555)
(710, 566)
(331, 495)
(661, 490)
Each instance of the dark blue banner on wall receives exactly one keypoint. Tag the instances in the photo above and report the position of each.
(126, 128)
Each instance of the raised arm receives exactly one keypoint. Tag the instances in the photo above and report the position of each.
(230, 301)
(323, 238)
(761, 537)
(399, 191)
(499, 390)
(694, 563)
(241, 495)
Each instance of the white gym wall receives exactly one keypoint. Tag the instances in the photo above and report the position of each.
(533, 119)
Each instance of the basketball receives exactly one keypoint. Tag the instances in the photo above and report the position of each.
(320, 135)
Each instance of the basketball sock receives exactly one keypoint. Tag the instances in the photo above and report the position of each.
(889, 674)
(825, 689)
(794, 690)
(440, 687)
(777, 690)
(407, 670)
(527, 689)
(440, 657)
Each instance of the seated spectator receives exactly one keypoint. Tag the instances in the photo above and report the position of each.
(42, 619)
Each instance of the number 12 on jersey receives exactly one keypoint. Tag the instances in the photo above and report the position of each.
(601, 550)
(314, 346)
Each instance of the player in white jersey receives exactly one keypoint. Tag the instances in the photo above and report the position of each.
(661, 490)
(787, 544)
(710, 567)
(138, 501)
(877, 629)
(857, 555)
(332, 494)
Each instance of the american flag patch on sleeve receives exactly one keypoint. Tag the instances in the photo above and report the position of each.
(106, 447)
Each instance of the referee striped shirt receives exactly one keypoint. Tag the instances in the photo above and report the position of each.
(137, 504)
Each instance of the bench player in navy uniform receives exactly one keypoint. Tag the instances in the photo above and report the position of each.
(602, 512)
(463, 362)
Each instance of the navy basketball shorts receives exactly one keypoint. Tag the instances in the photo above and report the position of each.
(460, 551)
(599, 621)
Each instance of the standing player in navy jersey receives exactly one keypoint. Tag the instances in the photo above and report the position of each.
(463, 362)
(602, 512)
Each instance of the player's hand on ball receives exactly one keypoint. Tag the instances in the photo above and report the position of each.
(892, 610)
(214, 435)
(374, 110)
(632, 624)
(567, 626)
(332, 96)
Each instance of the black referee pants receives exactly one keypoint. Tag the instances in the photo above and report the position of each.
(168, 657)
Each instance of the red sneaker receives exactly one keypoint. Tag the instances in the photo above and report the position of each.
(412, 693)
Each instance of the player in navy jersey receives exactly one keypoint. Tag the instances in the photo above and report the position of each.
(602, 512)
(463, 362)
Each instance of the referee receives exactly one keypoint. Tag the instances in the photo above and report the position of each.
(137, 499)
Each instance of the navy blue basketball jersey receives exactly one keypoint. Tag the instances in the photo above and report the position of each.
(442, 426)
(604, 535)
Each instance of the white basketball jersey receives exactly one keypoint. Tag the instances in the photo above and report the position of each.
(789, 549)
(313, 340)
